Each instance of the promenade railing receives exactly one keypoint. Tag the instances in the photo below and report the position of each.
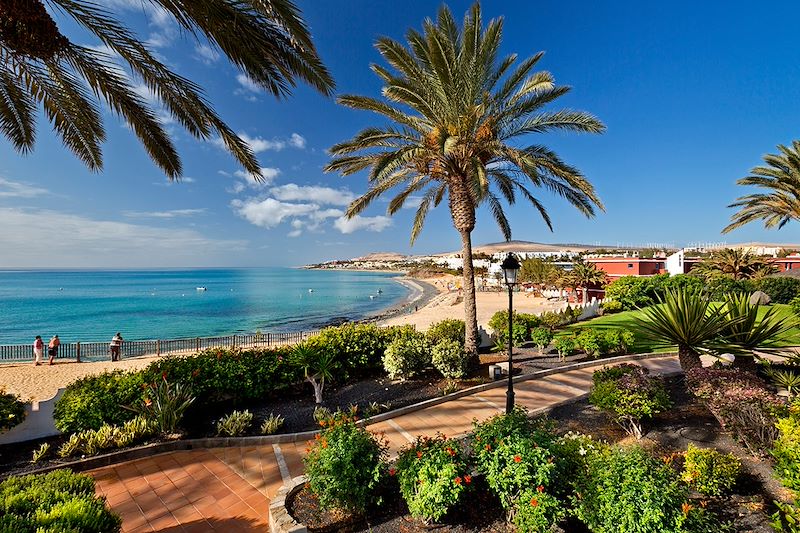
(98, 351)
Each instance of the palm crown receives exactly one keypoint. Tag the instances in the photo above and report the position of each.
(454, 107)
(781, 179)
(266, 39)
(734, 263)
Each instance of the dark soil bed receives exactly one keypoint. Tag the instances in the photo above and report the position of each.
(747, 509)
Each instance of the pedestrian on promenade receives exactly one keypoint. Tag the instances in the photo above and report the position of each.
(115, 346)
(38, 350)
(52, 349)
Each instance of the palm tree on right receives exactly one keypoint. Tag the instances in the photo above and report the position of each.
(586, 276)
(736, 264)
(455, 118)
(780, 179)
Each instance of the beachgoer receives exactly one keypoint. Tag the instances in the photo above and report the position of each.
(116, 344)
(38, 350)
(52, 349)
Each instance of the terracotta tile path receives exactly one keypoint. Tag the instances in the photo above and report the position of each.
(228, 489)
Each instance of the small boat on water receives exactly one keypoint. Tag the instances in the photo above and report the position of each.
(201, 289)
(310, 290)
(380, 291)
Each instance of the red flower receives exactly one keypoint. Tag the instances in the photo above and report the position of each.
(517, 459)
(534, 502)
(488, 447)
(451, 451)
(540, 489)
(457, 481)
(467, 479)
(164, 375)
(392, 471)
(419, 455)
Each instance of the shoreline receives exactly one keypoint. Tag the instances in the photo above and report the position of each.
(422, 294)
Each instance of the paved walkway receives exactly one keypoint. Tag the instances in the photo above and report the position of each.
(228, 489)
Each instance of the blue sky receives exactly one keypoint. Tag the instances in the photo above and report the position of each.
(693, 95)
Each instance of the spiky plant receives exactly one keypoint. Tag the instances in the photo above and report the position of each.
(41, 67)
(688, 319)
(780, 179)
(457, 112)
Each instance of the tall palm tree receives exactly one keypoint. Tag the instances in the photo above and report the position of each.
(587, 275)
(733, 263)
(40, 66)
(781, 201)
(455, 109)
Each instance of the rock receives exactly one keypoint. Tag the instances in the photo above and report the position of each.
(760, 298)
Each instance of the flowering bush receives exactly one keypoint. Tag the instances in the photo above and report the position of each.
(629, 398)
(447, 329)
(344, 464)
(449, 358)
(536, 511)
(709, 471)
(741, 402)
(628, 491)
(12, 410)
(407, 355)
(786, 449)
(433, 476)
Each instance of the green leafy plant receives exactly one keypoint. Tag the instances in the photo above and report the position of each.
(322, 414)
(749, 329)
(235, 424)
(449, 387)
(447, 329)
(786, 448)
(629, 398)
(551, 320)
(628, 491)
(164, 404)
(709, 471)
(565, 345)
(591, 341)
(787, 518)
(92, 401)
(795, 305)
(345, 464)
(71, 446)
(536, 511)
(781, 289)
(433, 475)
(12, 410)
(788, 379)
(357, 348)
(40, 452)
(611, 306)
(272, 424)
(449, 358)
(520, 327)
(541, 337)
(318, 366)
(375, 408)
(406, 356)
(618, 340)
(56, 501)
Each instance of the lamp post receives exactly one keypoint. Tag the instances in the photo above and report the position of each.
(510, 268)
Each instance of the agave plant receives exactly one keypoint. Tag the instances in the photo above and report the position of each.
(688, 319)
(788, 379)
(164, 405)
(746, 332)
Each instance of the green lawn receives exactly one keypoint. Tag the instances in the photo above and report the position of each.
(642, 345)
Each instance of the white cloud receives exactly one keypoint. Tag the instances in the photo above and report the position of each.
(248, 84)
(270, 212)
(297, 140)
(206, 54)
(52, 238)
(174, 213)
(260, 144)
(16, 189)
(349, 225)
(322, 195)
(412, 202)
(268, 175)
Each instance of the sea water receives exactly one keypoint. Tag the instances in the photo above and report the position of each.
(164, 304)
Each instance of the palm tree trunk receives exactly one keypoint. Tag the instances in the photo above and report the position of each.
(748, 364)
(688, 358)
(470, 309)
(584, 294)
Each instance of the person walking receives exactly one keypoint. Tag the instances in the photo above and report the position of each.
(115, 346)
(52, 349)
(38, 350)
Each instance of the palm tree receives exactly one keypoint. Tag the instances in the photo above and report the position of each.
(40, 66)
(781, 179)
(733, 263)
(455, 108)
(587, 275)
(688, 319)
(537, 271)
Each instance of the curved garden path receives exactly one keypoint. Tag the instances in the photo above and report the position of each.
(228, 489)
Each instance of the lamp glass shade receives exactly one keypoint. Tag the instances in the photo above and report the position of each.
(510, 267)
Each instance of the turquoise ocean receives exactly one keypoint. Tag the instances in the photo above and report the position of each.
(164, 304)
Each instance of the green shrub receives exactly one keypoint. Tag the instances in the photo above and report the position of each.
(94, 441)
(709, 471)
(592, 341)
(272, 424)
(12, 410)
(630, 398)
(795, 303)
(529, 319)
(433, 476)
(357, 348)
(92, 401)
(611, 306)
(781, 289)
(447, 329)
(344, 465)
(551, 320)
(164, 405)
(407, 355)
(786, 449)
(536, 511)
(520, 327)
(541, 337)
(58, 501)
(449, 358)
(235, 424)
(628, 491)
(787, 518)
(632, 292)
(565, 346)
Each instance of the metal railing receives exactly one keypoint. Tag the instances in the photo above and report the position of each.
(97, 351)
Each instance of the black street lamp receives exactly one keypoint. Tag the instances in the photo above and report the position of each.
(510, 268)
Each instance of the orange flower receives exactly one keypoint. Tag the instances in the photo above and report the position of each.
(686, 507)
(457, 481)
(419, 455)
(322, 423)
(451, 451)
(478, 438)
(316, 437)
(517, 459)
(540, 489)
(488, 447)
(392, 471)
(324, 443)
(148, 402)
(534, 502)
(467, 479)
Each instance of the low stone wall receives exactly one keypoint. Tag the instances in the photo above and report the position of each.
(280, 521)
(38, 422)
